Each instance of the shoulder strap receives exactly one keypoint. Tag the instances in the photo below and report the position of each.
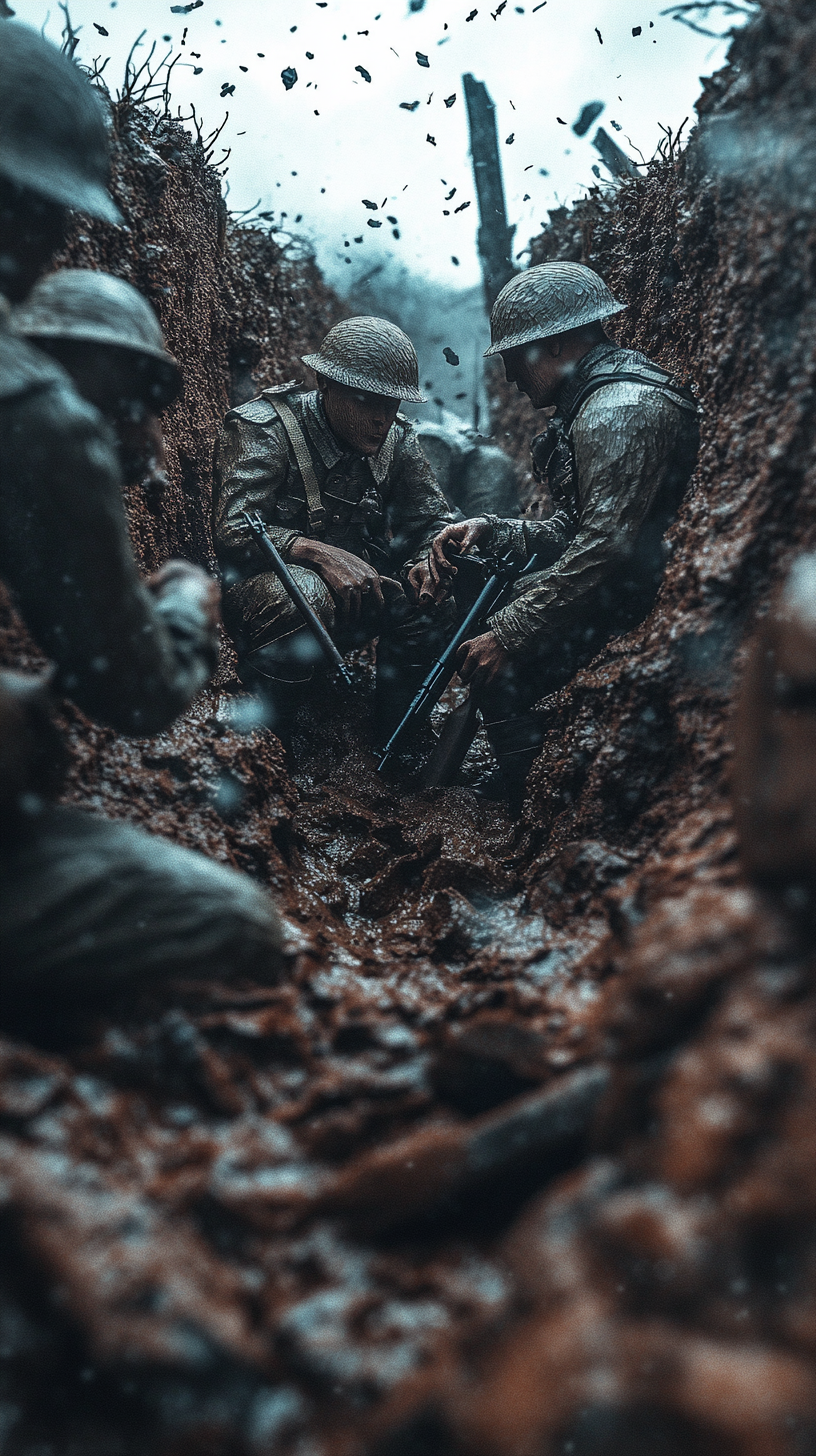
(678, 392)
(297, 439)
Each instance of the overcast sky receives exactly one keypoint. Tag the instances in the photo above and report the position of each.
(317, 150)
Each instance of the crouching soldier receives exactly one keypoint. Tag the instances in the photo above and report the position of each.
(617, 457)
(88, 907)
(352, 505)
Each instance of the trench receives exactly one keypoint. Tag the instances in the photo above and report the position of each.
(246, 1218)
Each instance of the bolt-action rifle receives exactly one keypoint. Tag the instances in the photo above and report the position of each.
(504, 571)
(303, 605)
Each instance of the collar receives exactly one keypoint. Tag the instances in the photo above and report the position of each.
(329, 447)
(583, 371)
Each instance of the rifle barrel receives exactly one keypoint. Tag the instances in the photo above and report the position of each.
(303, 605)
(434, 684)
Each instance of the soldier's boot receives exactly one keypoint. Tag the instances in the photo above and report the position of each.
(516, 743)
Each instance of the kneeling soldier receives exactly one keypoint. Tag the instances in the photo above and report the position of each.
(350, 501)
(617, 458)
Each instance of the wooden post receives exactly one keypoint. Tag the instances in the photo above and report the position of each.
(495, 237)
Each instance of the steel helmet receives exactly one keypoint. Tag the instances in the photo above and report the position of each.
(370, 354)
(546, 300)
(54, 138)
(90, 307)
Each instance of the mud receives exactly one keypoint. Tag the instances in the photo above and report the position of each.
(376, 1209)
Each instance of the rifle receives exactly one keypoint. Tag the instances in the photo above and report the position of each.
(304, 606)
(505, 571)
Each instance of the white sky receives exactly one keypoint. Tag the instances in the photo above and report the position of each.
(539, 64)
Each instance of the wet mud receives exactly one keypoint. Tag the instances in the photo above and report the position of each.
(520, 1158)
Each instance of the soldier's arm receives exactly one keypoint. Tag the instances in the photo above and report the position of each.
(130, 657)
(522, 539)
(251, 467)
(622, 439)
(417, 508)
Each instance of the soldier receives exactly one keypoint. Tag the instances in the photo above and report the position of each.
(617, 457)
(88, 904)
(107, 336)
(349, 499)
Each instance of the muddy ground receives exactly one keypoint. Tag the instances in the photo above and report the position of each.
(520, 1159)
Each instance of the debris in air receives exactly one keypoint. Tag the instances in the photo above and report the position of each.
(450, 356)
(449, 100)
(363, 72)
(561, 121)
(408, 105)
(598, 33)
(589, 113)
(637, 29)
(616, 124)
(289, 77)
(508, 141)
(431, 139)
(472, 16)
(185, 9)
(372, 205)
(461, 207)
(422, 60)
(101, 29)
(374, 222)
(496, 13)
(227, 90)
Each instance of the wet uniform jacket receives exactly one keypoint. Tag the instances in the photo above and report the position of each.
(618, 457)
(129, 657)
(385, 509)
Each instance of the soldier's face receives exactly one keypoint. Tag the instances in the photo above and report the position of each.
(360, 420)
(536, 370)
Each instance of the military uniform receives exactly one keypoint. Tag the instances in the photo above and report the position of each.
(87, 904)
(617, 456)
(385, 509)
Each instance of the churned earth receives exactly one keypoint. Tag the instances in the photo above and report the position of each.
(519, 1159)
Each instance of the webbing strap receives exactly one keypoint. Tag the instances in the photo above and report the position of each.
(297, 439)
(678, 392)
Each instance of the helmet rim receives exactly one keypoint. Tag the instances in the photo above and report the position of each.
(393, 355)
(564, 315)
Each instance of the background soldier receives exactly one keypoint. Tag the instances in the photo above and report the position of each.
(87, 903)
(617, 457)
(349, 499)
(106, 335)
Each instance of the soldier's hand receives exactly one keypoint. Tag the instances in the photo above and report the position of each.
(350, 580)
(481, 659)
(198, 588)
(459, 538)
(422, 586)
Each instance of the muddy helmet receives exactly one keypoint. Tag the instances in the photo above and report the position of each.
(54, 138)
(546, 300)
(88, 307)
(370, 354)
